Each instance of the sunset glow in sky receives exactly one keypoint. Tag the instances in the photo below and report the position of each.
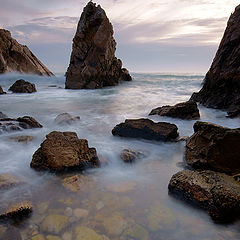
(152, 35)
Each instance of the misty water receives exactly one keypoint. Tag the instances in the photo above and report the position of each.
(119, 200)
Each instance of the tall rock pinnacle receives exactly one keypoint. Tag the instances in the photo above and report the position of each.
(93, 63)
(221, 87)
(15, 57)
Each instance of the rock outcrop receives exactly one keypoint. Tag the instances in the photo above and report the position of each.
(216, 192)
(186, 110)
(18, 124)
(66, 118)
(214, 147)
(22, 86)
(1, 91)
(146, 129)
(221, 88)
(64, 151)
(93, 63)
(15, 57)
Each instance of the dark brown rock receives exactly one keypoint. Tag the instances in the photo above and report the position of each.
(214, 147)
(64, 151)
(1, 91)
(17, 211)
(221, 88)
(186, 110)
(130, 156)
(15, 57)
(66, 118)
(22, 86)
(146, 129)
(216, 192)
(93, 63)
(13, 124)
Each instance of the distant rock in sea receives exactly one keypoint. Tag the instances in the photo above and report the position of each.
(15, 57)
(22, 86)
(221, 88)
(93, 63)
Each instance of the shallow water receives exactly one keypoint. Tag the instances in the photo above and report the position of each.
(120, 201)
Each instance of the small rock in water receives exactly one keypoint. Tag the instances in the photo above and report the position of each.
(146, 129)
(86, 233)
(100, 205)
(17, 211)
(68, 212)
(66, 118)
(64, 151)
(22, 139)
(80, 213)
(1, 91)
(186, 110)
(22, 86)
(130, 156)
(8, 181)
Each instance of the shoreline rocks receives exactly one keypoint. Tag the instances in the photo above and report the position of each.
(221, 87)
(216, 192)
(93, 63)
(185, 110)
(22, 86)
(15, 57)
(64, 151)
(146, 129)
(214, 147)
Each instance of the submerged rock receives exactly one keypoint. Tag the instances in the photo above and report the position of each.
(216, 192)
(186, 110)
(1, 91)
(66, 118)
(15, 57)
(214, 147)
(17, 211)
(8, 181)
(64, 151)
(22, 86)
(221, 88)
(22, 139)
(93, 63)
(130, 156)
(146, 129)
(13, 124)
(86, 233)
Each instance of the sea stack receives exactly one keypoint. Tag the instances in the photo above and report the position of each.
(221, 88)
(15, 57)
(93, 63)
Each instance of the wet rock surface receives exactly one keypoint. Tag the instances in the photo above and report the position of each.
(1, 91)
(221, 86)
(186, 110)
(22, 86)
(8, 181)
(216, 192)
(66, 118)
(64, 151)
(22, 139)
(15, 57)
(214, 147)
(146, 129)
(93, 63)
(130, 156)
(18, 124)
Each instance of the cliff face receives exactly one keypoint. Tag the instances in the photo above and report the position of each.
(15, 57)
(221, 87)
(93, 63)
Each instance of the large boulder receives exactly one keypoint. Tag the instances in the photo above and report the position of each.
(18, 124)
(15, 57)
(64, 151)
(93, 63)
(1, 91)
(216, 192)
(22, 86)
(186, 110)
(221, 88)
(214, 147)
(146, 129)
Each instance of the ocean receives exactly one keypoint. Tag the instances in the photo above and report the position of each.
(120, 201)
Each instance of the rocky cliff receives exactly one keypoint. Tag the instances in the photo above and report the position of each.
(93, 63)
(221, 88)
(15, 57)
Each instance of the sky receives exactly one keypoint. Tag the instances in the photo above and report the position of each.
(152, 35)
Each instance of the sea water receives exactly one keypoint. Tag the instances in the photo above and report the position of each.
(120, 201)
